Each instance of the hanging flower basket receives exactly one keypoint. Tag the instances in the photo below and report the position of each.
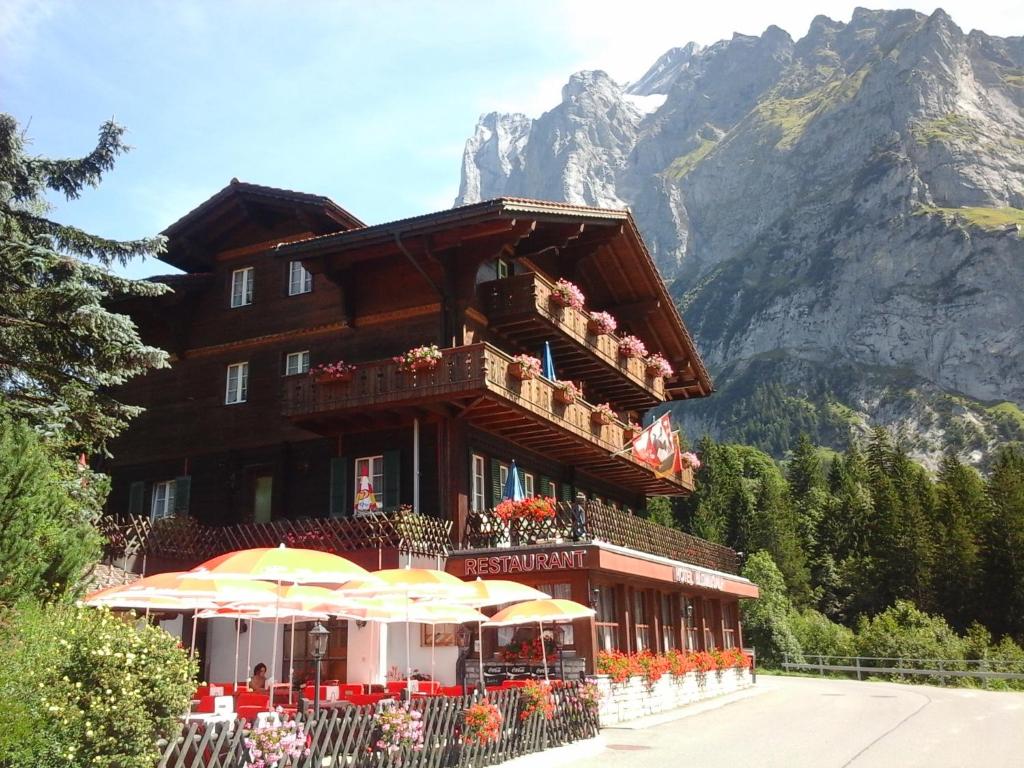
(658, 367)
(419, 359)
(601, 323)
(328, 373)
(602, 414)
(631, 346)
(566, 392)
(524, 367)
(566, 294)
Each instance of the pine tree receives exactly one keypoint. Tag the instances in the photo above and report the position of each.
(1003, 547)
(61, 347)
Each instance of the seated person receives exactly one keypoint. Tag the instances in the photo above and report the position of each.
(258, 683)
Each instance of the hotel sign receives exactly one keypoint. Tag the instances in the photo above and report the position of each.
(696, 578)
(556, 560)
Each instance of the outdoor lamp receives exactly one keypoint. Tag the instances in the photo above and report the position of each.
(318, 636)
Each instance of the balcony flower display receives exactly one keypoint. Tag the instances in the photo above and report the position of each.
(483, 723)
(631, 431)
(417, 359)
(336, 371)
(566, 294)
(524, 367)
(537, 509)
(631, 346)
(601, 323)
(567, 393)
(602, 414)
(658, 367)
(689, 459)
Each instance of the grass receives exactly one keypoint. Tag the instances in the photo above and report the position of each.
(946, 129)
(1010, 411)
(792, 116)
(990, 219)
(683, 164)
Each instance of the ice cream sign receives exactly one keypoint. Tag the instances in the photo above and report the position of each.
(366, 499)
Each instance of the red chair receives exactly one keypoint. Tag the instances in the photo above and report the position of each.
(515, 684)
(362, 699)
(347, 688)
(205, 704)
(453, 690)
(429, 687)
(397, 687)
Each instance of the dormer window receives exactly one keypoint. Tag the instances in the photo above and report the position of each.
(241, 287)
(299, 279)
(502, 268)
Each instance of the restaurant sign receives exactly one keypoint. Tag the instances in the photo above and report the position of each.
(557, 560)
(697, 578)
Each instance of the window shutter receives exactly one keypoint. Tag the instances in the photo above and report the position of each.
(495, 482)
(182, 491)
(136, 497)
(392, 468)
(545, 486)
(565, 492)
(339, 486)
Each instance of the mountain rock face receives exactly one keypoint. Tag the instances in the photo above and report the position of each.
(840, 219)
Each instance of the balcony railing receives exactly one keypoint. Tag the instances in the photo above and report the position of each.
(186, 539)
(479, 374)
(602, 523)
(521, 309)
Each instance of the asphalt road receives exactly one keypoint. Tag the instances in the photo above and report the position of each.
(809, 723)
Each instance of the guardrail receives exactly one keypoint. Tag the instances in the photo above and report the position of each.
(984, 669)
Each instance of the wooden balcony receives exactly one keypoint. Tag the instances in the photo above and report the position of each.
(474, 382)
(602, 523)
(520, 309)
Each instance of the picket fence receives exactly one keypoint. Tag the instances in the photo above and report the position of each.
(347, 736)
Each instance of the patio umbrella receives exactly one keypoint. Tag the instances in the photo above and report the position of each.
(513, 485)
(547, 363)
(487, 592)
(283, 565)
(551, 610)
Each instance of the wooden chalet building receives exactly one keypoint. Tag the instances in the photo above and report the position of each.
(240, 446)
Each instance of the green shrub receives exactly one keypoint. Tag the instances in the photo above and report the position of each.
(83, 687)
(766, 620)
(819, 636)
(902, 631)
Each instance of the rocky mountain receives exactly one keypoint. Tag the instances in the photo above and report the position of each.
(840, 219)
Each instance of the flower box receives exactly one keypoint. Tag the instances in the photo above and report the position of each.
(566, 392)
(328, 373)
(602, 414)
(658, 367)
(631, 432)
(524, 367)
(601, 323)
(631, 346)
(343, 377)
(566, 294)
(419, 359)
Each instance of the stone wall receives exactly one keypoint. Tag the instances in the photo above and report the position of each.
(634, 698)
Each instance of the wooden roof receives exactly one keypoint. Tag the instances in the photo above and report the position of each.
(599, 249)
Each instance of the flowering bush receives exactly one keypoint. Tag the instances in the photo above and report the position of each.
(621, 666)
(589, 695)
(689, 459)
(631, 346)
(568, 294)
(535, 697)
(704, 662)
(603, 414)
(483, 723)
(422, 358)
(617, 665)
(658, 366)
(678, 663)
(537, 509)
(527, 366)
(601, 323)
(336, 370)
(652, 666)
(567, 391)
(268, 746)
(401, 728)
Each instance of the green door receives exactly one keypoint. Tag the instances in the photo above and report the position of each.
(263, 499)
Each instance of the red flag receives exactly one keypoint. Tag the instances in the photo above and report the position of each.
(655, 446)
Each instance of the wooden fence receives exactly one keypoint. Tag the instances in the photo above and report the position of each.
(347, 736)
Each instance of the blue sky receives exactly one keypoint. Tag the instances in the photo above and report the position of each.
(368, 103)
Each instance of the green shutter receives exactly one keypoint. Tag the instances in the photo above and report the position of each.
(565, 492)
(545, 486)
(495, 482)
(136, 497)
(182, 493)
(339, 485)
(392, 471)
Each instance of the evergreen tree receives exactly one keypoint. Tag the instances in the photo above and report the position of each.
(766, 621)
(1003, 547)
(61, 347)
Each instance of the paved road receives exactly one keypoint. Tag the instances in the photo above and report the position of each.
(808, 723)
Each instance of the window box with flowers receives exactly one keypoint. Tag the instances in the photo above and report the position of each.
(658, 367)
(689, 460)
(631, 432)
(602, 414)
(566, 294)
(419, 359)
(566, 392)
(537, 509)
(631, 346)
(327, 373)
(524, 367)
(601, 323)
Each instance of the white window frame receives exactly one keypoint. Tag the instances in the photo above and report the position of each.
(162, 503)
(376, 478)
(528, 485)
(502, 269)
(241, 287)
(300, 360)
(553, 488)
(239, 393)
(300, 280)
(502, 477)
(479, 479)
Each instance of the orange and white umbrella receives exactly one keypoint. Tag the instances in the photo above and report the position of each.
(552, 610)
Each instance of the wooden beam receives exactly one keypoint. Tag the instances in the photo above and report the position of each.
(549, 236)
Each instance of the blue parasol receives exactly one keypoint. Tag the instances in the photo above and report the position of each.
(513, 485)
(547, 369)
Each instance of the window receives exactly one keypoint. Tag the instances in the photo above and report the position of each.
(689, 622)
(643, 635)
(238, 384)
(501, 268)
(607, 620)
(560, 591)
(668, 630)
(299, 280)
(479, 499)
(241, 287)
(163, 500)
(502, 478)
(296, 363)
(729, 625)
(369, 485)
(528, 485)
(553, 490)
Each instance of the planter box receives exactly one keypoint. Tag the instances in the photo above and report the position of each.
(633, 698)
(333, 378)
(598, 328)
(599, 419)
(563, 396)
(520, 372)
